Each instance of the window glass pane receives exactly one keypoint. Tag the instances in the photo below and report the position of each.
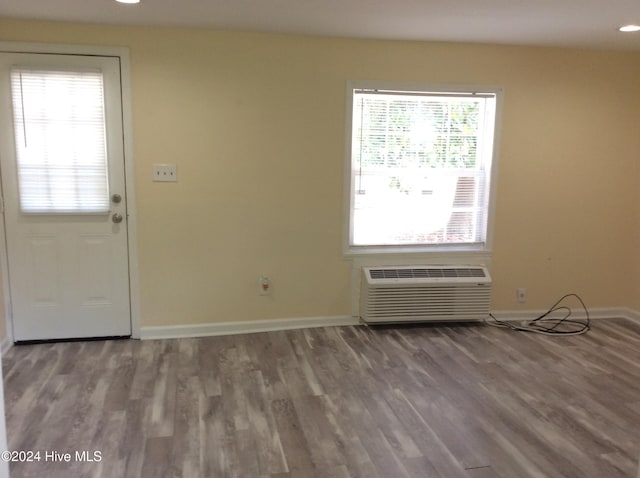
(61, 152)
(420, 168)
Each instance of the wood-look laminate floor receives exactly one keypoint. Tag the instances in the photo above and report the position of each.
(449, 402)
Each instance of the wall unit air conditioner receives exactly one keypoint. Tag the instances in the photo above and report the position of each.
(424, 293)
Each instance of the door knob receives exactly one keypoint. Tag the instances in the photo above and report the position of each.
(117, 218)
(116, 198)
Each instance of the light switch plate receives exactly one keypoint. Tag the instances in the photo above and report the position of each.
(165, 172)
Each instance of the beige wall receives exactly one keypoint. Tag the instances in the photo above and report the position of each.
(255, 123)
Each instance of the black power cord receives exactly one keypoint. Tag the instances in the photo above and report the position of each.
(548, 325)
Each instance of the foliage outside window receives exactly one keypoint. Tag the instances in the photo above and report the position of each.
(420, 167)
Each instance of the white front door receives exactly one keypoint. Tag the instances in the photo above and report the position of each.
(65, 213)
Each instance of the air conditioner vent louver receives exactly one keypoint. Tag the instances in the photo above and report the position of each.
(426, 272)
(424, 293)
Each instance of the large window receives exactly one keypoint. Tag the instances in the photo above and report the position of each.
(420, 168)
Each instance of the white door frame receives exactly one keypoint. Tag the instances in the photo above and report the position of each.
(122, 53)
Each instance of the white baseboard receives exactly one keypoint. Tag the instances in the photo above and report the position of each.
(246, 327)
(594, 313)
(252, 326)
(632, 314)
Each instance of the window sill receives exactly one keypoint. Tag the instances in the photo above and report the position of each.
(449, 249)
(399, 255)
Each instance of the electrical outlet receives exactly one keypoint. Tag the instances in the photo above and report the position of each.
(165, 172)
(521, 295)
(264, 285)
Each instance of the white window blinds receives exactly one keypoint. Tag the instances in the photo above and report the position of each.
(59, 123)
(420, 167)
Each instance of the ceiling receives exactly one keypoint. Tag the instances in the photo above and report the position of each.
(573, 23)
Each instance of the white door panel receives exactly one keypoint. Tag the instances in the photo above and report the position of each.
(68, 272)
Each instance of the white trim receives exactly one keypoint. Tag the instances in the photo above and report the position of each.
(346, 193)
(632, 314)
(61, 49)
(129, 179)
(597, 313)
(245, 327)
(253, 326)
(122, 53)
(434, 251)
(6, 289)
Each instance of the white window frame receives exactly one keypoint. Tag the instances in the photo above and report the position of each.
(441, 252)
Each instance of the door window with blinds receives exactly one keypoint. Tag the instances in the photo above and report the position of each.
(420, 168)
(59, 124)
